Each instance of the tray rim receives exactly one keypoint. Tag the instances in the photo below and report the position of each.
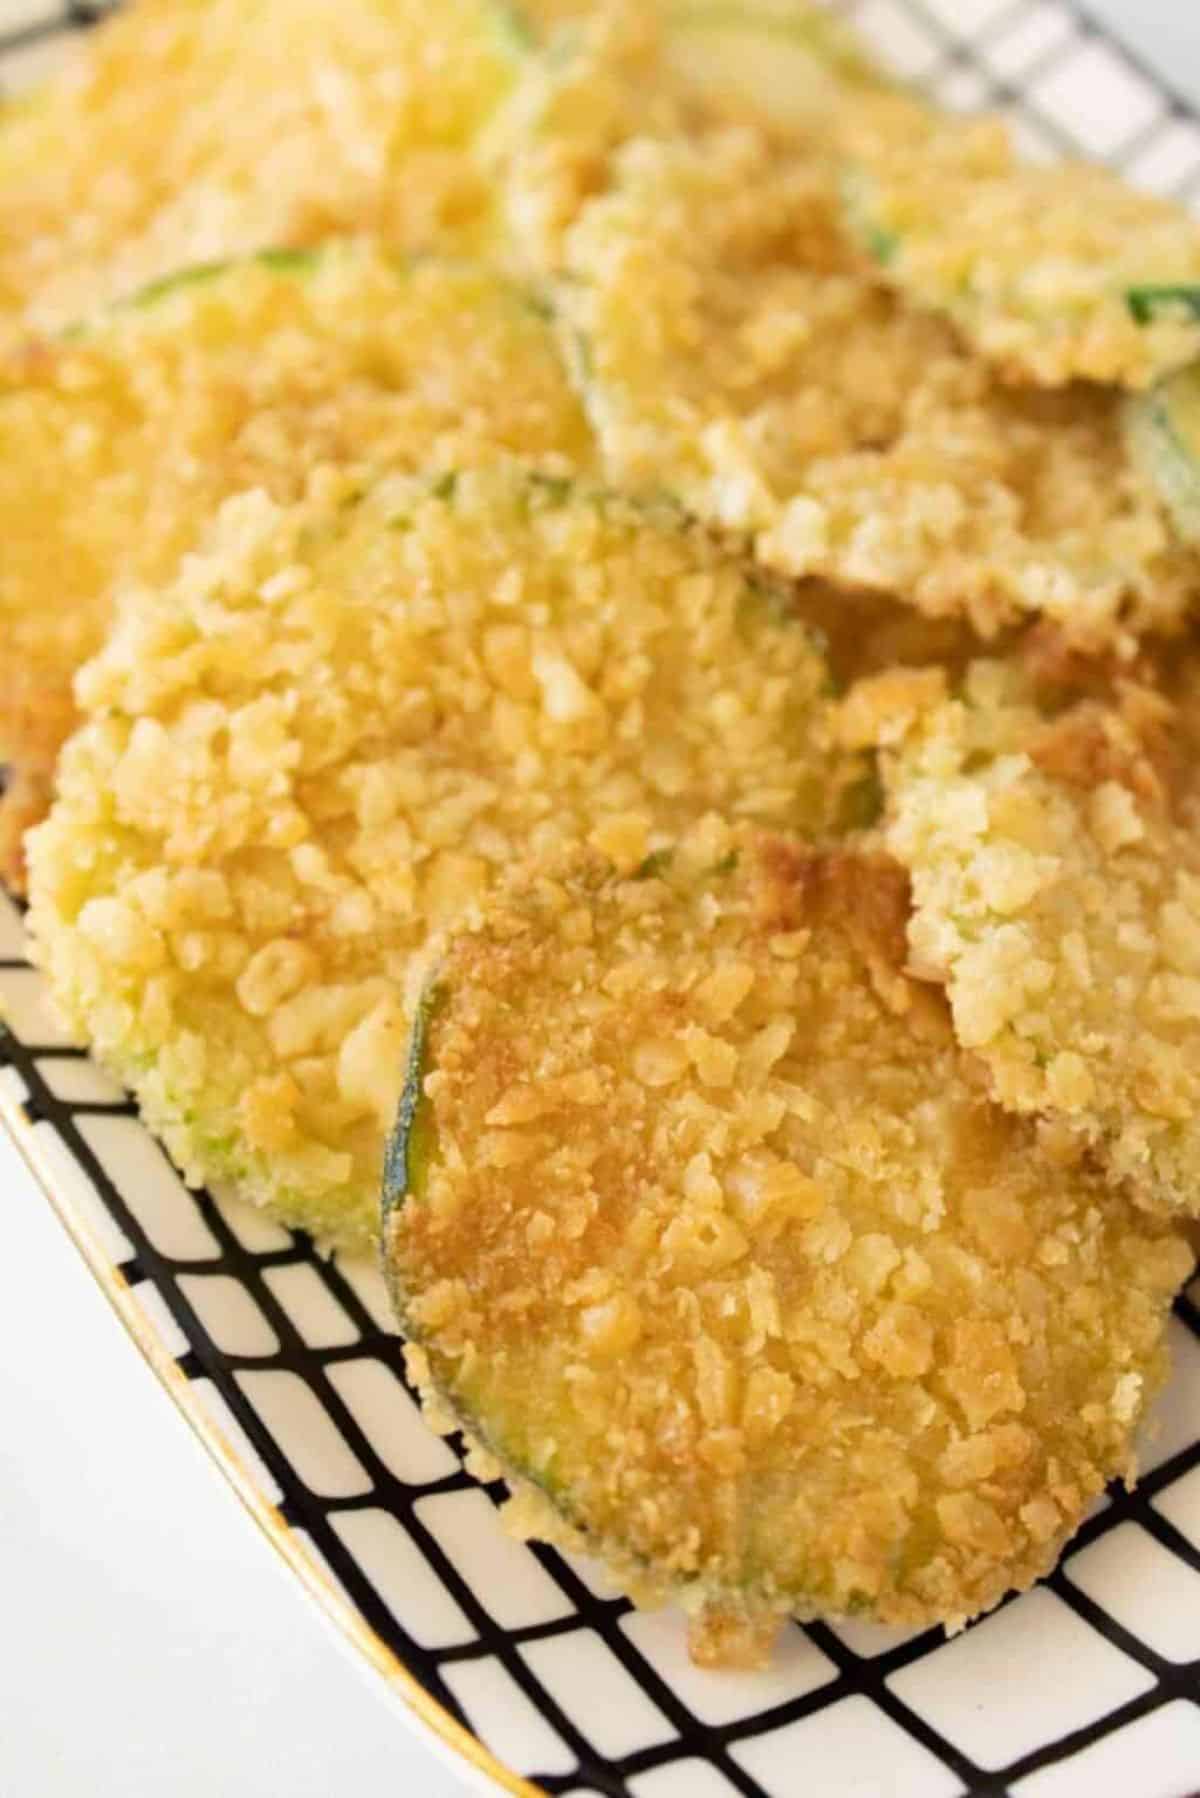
(422, 1708)
(433, 1722)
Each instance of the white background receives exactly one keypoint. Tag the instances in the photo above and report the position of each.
(150, 1640)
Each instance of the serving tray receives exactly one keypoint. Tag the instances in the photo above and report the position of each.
(286, 1367)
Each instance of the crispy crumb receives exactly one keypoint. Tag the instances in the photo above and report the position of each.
(1033, 262)
(1057, 893)
(654, 68)
(550, 146)
(324, 740)
(828, 1337)
(116, 446)
(176, 137)
(737, 353)
(724, 1637)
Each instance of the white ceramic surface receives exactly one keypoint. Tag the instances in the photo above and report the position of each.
(1088, 1686)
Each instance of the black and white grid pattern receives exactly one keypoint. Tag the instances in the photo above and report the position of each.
(1090, 1685)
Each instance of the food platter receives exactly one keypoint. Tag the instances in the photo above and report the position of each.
(286, 1366)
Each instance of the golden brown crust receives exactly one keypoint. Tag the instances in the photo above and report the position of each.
(331, 733)
(723, 1247)
(1033, 262)
(739, 354)
(552, 145)
(1056, 881)
(1094, 743)
(117, 447)
(176, 138)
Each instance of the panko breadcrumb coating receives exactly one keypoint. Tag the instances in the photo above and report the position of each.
(552, 143)
(118, 444)
(324, 740)
(196, 129)
(1056, 892)
(642, 68)
(1051, 271)
(734, 353)
(713, 1241)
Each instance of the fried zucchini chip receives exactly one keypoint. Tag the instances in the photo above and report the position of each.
(196, 129)
(327, 737)
(699, 1225)
(1056, 883)
(627, 69)
(118, 443)
(594, 86)
(1057, 273)
(733, 352)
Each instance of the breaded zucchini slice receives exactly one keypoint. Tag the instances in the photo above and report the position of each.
(326, 737)
(1163, 427)
(733, 352)
(595, 84)
(1056, 272)
(781, 68)
(1056, 885)
(698, 1222)
(198, 129)
(119, 442)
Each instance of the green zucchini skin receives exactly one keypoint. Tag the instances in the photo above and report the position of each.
(289, 262)
(277, 261)
(1146, 304)
(282, 261)
(1149, 302)
(1162, 429)
(410, 1154)
(413, 1143)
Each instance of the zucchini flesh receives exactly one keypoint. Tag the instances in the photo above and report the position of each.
(1057, 273)
(1163, 431)
(284, 261)
(188, 139)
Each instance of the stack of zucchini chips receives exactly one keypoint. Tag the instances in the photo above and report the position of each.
(594, 611)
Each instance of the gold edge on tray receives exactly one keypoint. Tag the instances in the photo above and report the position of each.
(337, 1608)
